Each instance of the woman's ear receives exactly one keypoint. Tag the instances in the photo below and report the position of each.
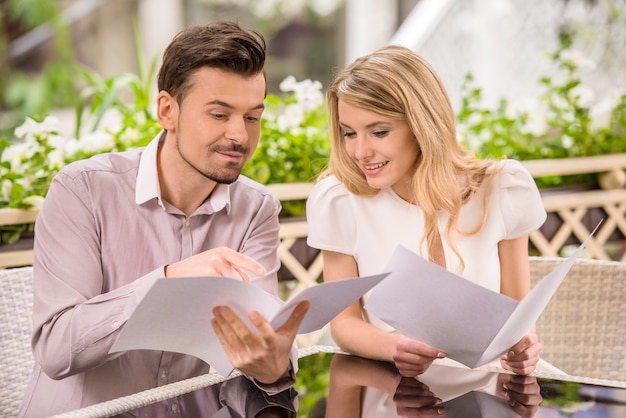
(166, 111)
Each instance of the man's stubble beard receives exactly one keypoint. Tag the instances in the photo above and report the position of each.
(219, 175)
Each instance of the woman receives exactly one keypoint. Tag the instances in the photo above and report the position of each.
(398, 176)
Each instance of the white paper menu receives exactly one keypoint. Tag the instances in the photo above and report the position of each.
(175, 313)
(471, 324)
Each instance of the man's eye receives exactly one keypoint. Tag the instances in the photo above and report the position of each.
(218, 116)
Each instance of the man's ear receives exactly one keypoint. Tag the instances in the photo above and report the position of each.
(166, 111)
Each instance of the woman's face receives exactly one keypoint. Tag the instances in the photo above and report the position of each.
(385, 149)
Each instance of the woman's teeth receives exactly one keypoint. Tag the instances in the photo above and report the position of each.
(375, 166)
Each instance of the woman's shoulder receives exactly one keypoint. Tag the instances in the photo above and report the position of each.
(518, 199)
(328, 188)
(512, 173)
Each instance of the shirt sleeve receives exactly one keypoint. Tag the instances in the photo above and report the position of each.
(75, 319)
(520, 201)
(330, 217)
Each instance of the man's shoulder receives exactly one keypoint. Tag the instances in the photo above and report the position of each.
(251, 186)
(110, 162)
(252, 191)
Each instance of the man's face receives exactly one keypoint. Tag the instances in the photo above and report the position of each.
(219, 122)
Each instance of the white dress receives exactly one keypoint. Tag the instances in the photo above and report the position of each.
(370, 229)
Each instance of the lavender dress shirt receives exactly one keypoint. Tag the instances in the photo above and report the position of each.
(102, 238)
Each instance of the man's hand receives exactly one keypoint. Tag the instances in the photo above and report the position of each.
(413, 358)
(265, 355)
(220, 261)
(523, 357)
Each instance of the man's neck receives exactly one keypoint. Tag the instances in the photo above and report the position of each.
(180, 185)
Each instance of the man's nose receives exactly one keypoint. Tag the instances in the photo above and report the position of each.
(236, 130)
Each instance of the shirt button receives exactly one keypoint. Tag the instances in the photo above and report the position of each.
(115, 324)
(187, 224)
(163, 376)
(175, 407)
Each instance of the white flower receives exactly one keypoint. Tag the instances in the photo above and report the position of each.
(288, 84)
(31, 128)
(567, 141)
(585, 94)
(15, 155)
(95, 142)
(601, 112)
(577, 59)
(34, 201)
(7, 185)
(56, 159)
(308, 93)
(290, 118)
(71, 146)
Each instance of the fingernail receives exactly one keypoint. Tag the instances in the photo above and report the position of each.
(441, 355)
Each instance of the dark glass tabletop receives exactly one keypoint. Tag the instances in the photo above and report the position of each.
(339, 385)
(333, 385)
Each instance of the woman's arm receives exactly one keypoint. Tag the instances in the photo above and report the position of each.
(354, 335)
(515, 283)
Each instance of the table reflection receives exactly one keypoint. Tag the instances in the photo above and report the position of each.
(234, 398)
(332, 385)
(365, 388)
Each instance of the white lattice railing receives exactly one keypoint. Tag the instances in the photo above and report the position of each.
(570, 207)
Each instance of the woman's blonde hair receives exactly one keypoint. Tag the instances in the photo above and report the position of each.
(396, 82)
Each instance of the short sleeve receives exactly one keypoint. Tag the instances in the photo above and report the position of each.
(520, 201)
(331, 224)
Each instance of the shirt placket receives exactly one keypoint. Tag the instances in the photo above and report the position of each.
(165, 366)
(186, 244)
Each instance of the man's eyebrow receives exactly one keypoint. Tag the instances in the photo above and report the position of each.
(260, 106)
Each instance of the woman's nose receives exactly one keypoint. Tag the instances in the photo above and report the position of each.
(362, 149)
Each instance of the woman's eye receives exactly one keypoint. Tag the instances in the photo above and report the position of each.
(380, 134)
(348, 134)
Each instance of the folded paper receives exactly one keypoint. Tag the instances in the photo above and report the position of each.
(175, 314)
(471, 324)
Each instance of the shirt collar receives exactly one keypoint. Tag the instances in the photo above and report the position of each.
(147, 186)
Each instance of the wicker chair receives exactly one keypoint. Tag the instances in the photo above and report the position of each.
(583, 329)
(16, 359)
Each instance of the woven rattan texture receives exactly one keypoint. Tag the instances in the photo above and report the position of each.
(16, 359)
(583, 329)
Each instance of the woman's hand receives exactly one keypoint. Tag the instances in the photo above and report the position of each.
(523, 357)
(414, 399)
(521, 392)
(413, 358)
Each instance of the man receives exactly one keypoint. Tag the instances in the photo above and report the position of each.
(113, 224)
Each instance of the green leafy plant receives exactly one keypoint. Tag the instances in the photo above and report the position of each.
(294, 145)
(564, 122)
(24, 93)
(312, 382)
(115, 114)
